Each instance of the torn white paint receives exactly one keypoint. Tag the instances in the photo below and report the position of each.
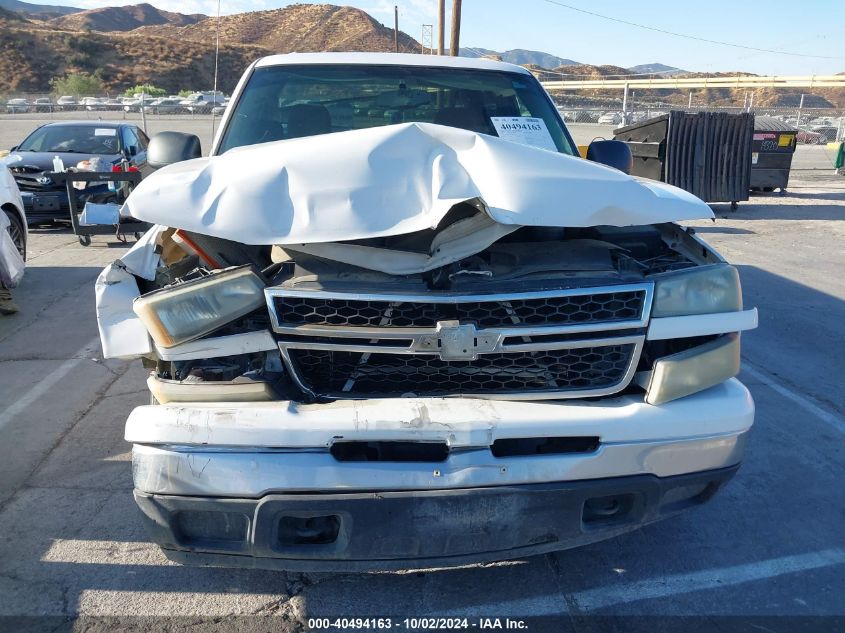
(394, 180)
(121, 331)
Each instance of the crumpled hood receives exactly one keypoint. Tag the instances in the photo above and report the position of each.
(394, 180)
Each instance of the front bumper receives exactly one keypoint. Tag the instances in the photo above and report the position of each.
(421, 529)
(230, 483)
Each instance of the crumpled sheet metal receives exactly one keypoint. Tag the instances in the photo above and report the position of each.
(394, 180)
(121, 332)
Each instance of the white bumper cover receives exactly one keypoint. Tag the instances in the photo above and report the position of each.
(250, 450)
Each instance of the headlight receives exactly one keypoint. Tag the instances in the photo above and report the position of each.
(694, 369)
(195, 308)
(702, 290)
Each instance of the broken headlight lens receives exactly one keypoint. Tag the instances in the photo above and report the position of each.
(703, 290)
(190, 310)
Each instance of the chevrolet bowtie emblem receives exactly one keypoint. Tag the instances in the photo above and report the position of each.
(457, 342)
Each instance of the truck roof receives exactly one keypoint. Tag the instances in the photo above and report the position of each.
(389, 59)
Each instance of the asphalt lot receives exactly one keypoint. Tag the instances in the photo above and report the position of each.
(772, 543)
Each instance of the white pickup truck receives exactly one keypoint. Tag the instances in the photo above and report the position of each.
(395, 320)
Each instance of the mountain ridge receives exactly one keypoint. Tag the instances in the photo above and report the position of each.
(33, 10)
(123, 18)
(520, 56)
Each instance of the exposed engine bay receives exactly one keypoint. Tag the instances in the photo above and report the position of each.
(328, 343)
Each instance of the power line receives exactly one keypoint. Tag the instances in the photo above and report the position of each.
(686, 35)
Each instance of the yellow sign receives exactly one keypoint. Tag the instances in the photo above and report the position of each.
(785, 140)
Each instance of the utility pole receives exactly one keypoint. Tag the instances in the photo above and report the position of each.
(455, 45)
(441, 26)
(689, 104)
(396, 27)
(216, 58)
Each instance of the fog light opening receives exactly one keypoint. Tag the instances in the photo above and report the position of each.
(314, 530)
(609, 510)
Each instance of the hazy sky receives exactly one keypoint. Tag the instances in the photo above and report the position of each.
(813, 27)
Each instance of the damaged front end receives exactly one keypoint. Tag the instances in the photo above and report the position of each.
(563, 337)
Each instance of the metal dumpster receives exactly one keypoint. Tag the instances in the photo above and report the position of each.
(706, 153)
(772, 148)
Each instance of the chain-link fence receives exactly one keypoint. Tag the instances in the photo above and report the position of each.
(50, 104)
(814, 125)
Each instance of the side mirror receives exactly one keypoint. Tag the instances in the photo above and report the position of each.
(166, 148)
(611, 153)
(133, 151)
(13, 148)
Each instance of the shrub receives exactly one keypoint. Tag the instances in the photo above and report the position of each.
(77, 84)
(153, 91)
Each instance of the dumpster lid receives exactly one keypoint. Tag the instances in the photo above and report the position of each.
(771, 124)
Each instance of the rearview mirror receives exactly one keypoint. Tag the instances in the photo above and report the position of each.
(611, 153)
(166, 148)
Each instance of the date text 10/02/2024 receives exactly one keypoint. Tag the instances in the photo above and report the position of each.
(434, 624)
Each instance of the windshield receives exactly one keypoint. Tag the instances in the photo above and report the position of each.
(283, 102)
(80, 139)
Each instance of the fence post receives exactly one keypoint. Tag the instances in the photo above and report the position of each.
(625, 105)
(800, 105)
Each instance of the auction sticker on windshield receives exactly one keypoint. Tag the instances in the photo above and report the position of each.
(524, 129)
(105, 131)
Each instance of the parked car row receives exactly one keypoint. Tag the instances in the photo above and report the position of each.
(819, 135)
(196, 103)
(603, 117)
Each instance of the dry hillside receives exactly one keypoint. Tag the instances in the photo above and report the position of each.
(296, 28)
(122, 18)
(32, 54)
(171, 55)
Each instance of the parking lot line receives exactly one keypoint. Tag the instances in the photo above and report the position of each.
(802, 401)
(45, 384)
(604, 597)
(672, 585)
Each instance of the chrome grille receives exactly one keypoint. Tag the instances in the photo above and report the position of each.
(606, 308)
(562, 343)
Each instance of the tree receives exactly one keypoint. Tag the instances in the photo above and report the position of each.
(153, 91)
(78, 85)
(185, 92)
